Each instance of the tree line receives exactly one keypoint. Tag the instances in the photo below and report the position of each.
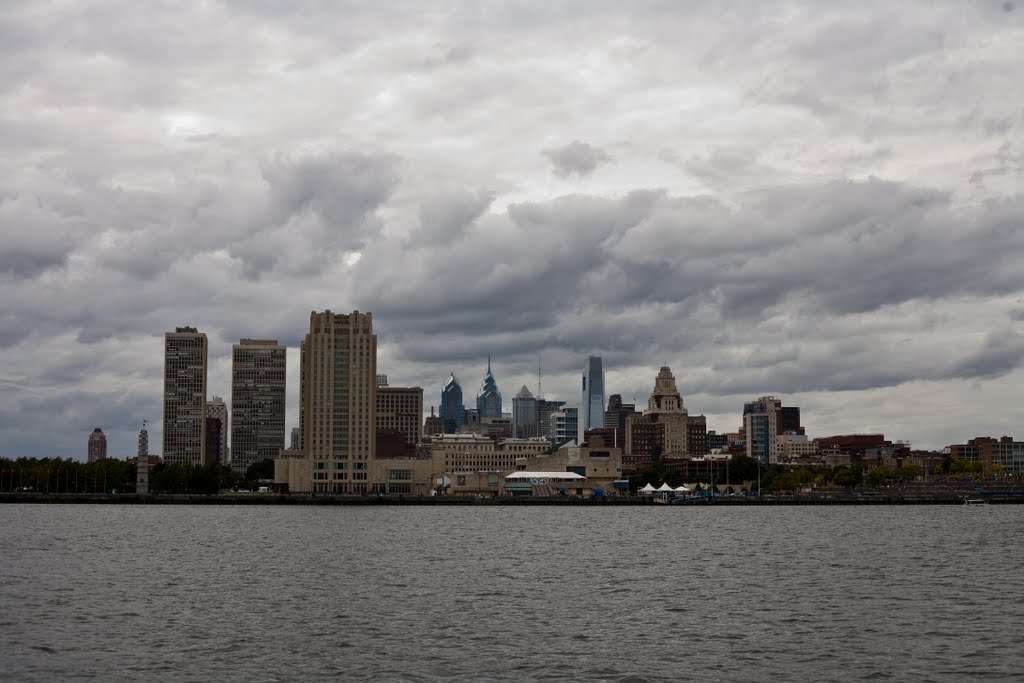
(112, 476)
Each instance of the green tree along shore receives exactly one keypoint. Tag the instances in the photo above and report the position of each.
(780, 478)
(55, 475)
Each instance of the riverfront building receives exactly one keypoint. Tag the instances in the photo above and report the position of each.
(338, 405)
(258, 376)
(185, 358)
(97, 445)
(1003, 453)
(663, 429)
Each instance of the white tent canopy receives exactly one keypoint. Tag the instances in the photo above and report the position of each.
(665, 488)
(648, 488)
(683, 489)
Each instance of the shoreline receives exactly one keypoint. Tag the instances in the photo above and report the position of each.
(305, 499)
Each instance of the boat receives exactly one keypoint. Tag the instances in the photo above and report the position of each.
(975, 501)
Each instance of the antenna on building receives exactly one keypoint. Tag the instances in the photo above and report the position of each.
(540, 392)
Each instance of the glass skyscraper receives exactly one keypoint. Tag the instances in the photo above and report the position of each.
(488, 401)
(593, 394)
(453, 411)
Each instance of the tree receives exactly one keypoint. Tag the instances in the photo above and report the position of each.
(264, 469)
(846, 477)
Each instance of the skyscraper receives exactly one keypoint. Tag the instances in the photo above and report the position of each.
(97, 445)
(524, 415)
(488, 401)
(258, 373)
(400, 409)
(452, 411)
(185, 353)
(340, 400)
(663, 429)
(217, 431)
(593, 394)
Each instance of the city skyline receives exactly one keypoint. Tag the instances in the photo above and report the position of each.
(817, 204)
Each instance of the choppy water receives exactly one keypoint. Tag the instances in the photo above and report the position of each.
(463, 594)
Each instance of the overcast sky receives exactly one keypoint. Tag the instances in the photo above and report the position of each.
(820, 201)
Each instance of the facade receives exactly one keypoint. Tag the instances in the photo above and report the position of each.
(97, 445)
(217, 431)
(524, 415)
(1004, 453)
(593, 393)
(545, 409)
(663, 429)
(617, 412)
(452, 410)
(185, 358)
(789, 420)
(598, 464)
(433, 424)
(340, 399)
(696, 436)
(213, 430)
(454, 454)
(760, 426)
(258, 377)
(488, 401)
(793, 447)
(400, 409)
(565, 425)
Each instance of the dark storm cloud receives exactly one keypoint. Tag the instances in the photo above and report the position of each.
(800, 201)
(576, 157)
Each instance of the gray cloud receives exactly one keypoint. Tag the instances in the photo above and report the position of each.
(825, 206)
(576, 157)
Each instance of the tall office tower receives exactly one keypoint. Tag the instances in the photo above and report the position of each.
(302, 395)
(217, 431)
(593, 393)
(400, 409)
(524, 415)
(453, 412)
(97, 445)
(185, 352)
(488, 401)
(617, 412)
(296, 439)
(340, 399)
(258, 374)
(545, 409)
(664, 427)
(760, 424)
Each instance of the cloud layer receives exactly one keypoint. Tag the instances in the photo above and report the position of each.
(820, 203)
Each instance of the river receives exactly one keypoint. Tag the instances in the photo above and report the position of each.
(661, 593)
